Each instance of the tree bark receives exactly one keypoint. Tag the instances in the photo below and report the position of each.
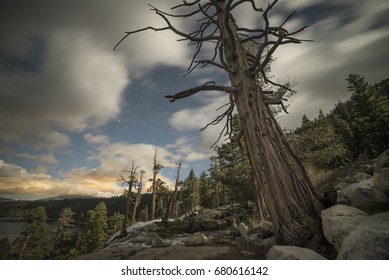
(292, 201)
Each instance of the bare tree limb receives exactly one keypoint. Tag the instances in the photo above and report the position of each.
(139, 30)
(186, 4)
(194, 90)
(227, 129)
(243, 1)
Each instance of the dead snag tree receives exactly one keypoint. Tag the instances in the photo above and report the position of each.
(173, 195)
(292, 201)
(156, 169)
(138, 197)
(130, 182)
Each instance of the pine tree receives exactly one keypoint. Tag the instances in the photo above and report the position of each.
(320, 145)
(162, 196)
(34, 241)
(157, 167)
(5, 249)
(191, 194)
(206, 192)
(95, 230)
(144, 214)
(63, 238)
(115, 223)
(370, 115)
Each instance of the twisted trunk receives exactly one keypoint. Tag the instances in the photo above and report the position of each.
(290, 197)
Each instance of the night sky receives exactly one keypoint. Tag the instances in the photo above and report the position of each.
(74, 113)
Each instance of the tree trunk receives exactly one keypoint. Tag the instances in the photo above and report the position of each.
(127, 208)
(292, 201)
(137, 200)
(153, 199)
(173, 196)
(258, 201)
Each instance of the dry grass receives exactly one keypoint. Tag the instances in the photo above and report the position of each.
(326, 179)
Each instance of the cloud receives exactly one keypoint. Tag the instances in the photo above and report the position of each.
(198, 117)
(340, 48)
(112, 159)
(60, 73)
(97, 139)
(101, 181)
(79, 87)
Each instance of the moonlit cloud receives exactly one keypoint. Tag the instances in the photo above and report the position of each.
(80, 87)
(339, 49)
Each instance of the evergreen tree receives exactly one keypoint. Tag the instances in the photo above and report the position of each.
(206, 192)
(86, 242)
(144, 214)
(162, 196)
(190, 192)
(370, 115)
(115, 223)
(34, 241)
(5, 249)
(63, 237)
(157, 167)
(319, 144)
(95, 230)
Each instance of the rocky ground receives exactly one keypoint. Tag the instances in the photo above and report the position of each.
(355, 223)
(174, 252)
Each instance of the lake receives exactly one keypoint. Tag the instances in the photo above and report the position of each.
(11, 229)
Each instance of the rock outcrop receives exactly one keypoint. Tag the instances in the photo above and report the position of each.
(196, 239)
(159, 242)
(292, 253)
(338, 221)
(382, 180)
(368, 241)
(382, 161)
(363, 195)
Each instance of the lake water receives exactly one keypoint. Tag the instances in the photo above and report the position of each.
(11, 229)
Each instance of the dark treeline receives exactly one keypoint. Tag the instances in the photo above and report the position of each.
(99, 218)
(80, 206)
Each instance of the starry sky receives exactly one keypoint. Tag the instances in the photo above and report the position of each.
(74, 113)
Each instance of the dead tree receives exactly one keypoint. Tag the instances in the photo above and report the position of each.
(173, 196)
(138, 197)
(156, 169)
(130, 182)
(292, 201)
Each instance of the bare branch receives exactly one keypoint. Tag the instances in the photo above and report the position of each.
(210, 62)
(267, 59)
(267, 80)
(181, 33)
(243, 1)
(186, 4)
(228, 125)
(288, 18)
(140, 30)
(194, 90)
